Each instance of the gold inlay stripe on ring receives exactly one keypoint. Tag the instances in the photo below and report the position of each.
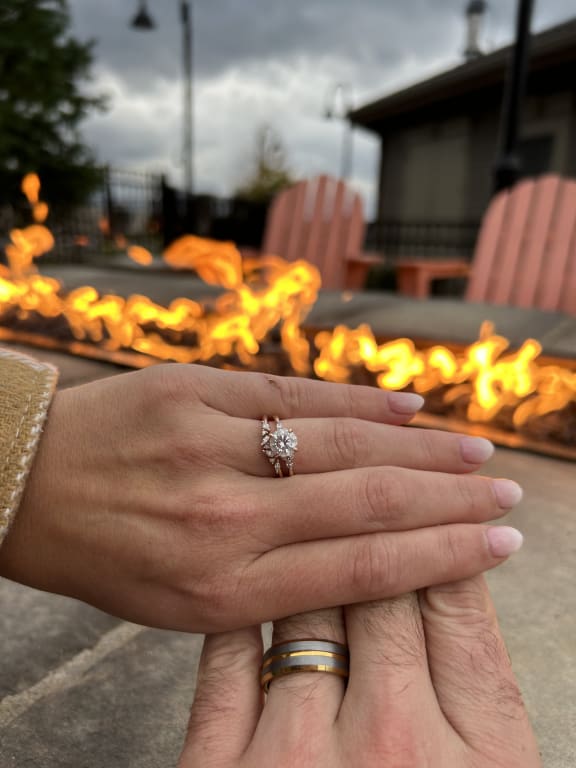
(295, 654)
(267, 678)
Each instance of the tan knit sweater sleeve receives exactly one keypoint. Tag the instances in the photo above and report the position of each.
(26, 389)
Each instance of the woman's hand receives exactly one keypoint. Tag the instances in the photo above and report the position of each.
(150, 498)
(430, 685)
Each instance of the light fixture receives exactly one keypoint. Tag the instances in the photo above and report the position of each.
(143, 20)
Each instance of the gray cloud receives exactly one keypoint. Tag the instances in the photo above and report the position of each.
(268, 60)
(373, 34)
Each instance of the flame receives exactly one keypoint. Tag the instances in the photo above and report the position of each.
(31, 188)
(264, 294)
(27, 244)
(140, 255)
(490, 379)
(197, 253)
(104, 226)
(260, 297)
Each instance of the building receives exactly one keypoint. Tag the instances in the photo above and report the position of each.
(439, 142)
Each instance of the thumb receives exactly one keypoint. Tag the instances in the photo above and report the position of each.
(228, 700)
(472, 673)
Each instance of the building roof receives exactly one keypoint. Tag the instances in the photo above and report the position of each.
(548, 48)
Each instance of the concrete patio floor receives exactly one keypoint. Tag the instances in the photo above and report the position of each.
(83, 690)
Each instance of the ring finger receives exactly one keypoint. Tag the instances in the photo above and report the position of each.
(302, 698)
(328, 445)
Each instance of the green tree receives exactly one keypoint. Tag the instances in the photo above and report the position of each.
(270, 172)
(41, 102)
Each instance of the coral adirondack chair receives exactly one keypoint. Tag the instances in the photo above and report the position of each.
(321, 220)
(525, 254)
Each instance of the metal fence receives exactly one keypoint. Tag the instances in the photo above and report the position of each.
(126, 208)
(423, 239)
(141, 208)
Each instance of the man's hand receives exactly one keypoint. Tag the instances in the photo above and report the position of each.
(430, 686)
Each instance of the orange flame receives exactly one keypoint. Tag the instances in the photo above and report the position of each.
(104, 226)
(31, 188)
(272, 293)
(27, 245)
(197, 253)
(491, 380)
(140, 255)
(264, 294)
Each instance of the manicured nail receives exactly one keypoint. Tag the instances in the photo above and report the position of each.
(504, 541)
(508, 493)
(405, 403)
(476, 450)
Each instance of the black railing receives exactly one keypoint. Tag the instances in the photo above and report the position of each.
(125, 207)
(140, 208)
(143, 209)
(423, 239)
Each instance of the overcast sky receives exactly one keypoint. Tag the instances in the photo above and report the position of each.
(268, 61)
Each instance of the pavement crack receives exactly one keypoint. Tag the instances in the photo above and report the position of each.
(68, 674)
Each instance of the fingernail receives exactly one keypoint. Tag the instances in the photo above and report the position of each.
(508, 493)
(504, 541)
(405, 402)
(476, 450)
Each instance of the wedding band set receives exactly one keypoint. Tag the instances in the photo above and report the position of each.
(279, 446)
(298, 656)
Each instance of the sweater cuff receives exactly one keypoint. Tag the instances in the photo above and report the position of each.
(26, 390)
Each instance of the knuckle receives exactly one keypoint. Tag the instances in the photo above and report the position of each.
(304, 753)
(429, 446)
(290, 393)
(467, 601)
(452, 550)
(168, 384)
(384, 497)
(349, 395)
(215, 514)
(211, 597)
(369, 571)
(468, 496)
(349, 443)
(181, 448)
(198, 448)
(398, 746)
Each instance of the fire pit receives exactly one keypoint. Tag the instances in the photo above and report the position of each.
(517, 398)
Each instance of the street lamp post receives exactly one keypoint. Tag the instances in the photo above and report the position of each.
(508, 164)
(344, 91)
(188, 131)
(143, 21)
